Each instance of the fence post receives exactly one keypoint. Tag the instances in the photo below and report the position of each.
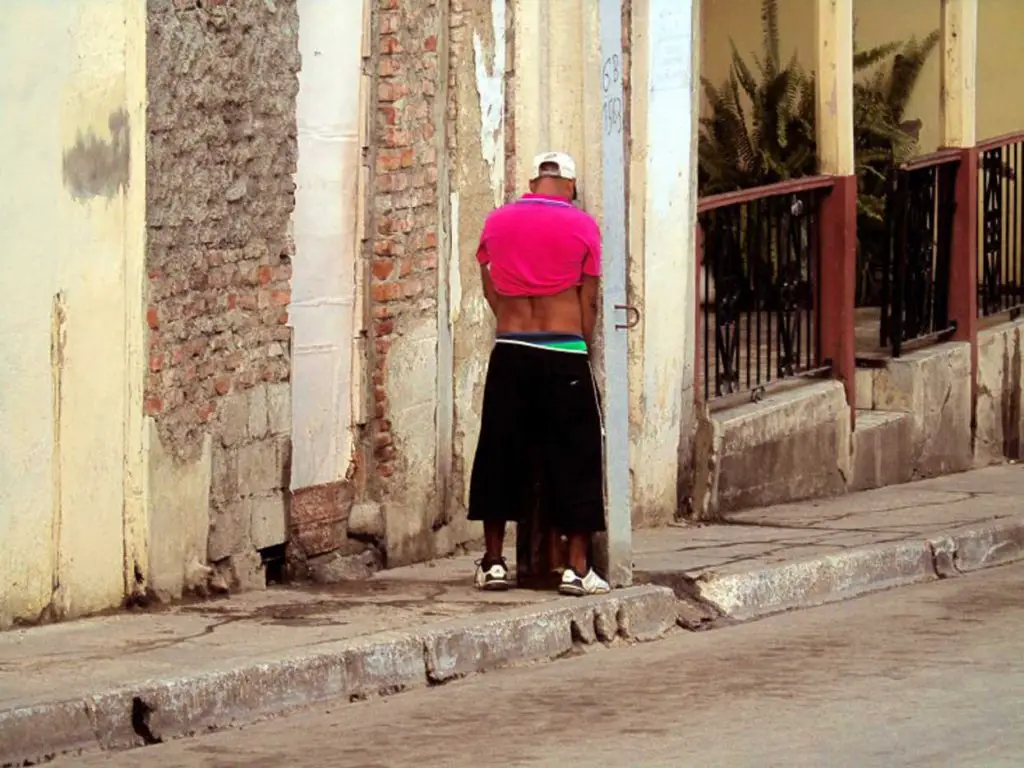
(957, 107)
(963, 266)
(837, 274)
(837, 268)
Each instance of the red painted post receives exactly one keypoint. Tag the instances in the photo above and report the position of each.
(963, 267)
(837, 275)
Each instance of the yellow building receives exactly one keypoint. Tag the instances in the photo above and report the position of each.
(72, 137)
(999, 110)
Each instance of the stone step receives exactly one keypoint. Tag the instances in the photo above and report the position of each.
(882, 449)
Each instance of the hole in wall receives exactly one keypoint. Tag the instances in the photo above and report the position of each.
(274, 564)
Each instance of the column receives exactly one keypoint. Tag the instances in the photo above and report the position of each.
(957, 119)
(662, 256)
(834, 124)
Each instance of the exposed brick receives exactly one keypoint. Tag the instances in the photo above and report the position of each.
(220, 193)
(403, 212)
(221, 159)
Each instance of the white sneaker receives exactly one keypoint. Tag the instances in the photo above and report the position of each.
(494, 579)
(591, 584)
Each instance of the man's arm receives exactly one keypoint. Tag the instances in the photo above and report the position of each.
(588, 307)
(591, 279)
(489, 292)
(484, 260)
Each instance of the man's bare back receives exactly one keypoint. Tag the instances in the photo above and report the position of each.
(571, 311)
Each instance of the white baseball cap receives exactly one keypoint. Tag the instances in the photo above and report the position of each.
(565, 166)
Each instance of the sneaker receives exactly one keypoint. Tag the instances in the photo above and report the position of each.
(494, 577)
(591, 584)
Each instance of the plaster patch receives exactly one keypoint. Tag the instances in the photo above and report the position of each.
(490, 86)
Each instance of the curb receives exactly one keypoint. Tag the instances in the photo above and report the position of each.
(382, 664)
(830, 578)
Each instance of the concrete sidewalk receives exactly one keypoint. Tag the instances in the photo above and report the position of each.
(799, 555)
(123, 680)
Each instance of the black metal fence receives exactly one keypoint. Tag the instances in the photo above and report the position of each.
(920, 205)
(1001, 230)
(759, 286)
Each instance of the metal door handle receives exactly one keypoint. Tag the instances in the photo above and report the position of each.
(632, 317)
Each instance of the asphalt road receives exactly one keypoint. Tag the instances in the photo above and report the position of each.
(923, 676)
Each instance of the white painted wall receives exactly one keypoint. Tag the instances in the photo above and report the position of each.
(325, 219)
(662, 250)
(72, 217)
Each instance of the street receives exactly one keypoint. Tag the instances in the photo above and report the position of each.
(923, 676)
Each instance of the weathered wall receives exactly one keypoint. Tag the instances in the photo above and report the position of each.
(479, 52)
(221, 160)
(934, 386)
(791, 445)
(880, 21)
(661, 264)
(326, 311)
(70, 325)
(999, 416)
(406, 142)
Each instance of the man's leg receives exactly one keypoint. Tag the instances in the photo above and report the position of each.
(579, 545)
(496, 482)
(574, 458)
(494, 541)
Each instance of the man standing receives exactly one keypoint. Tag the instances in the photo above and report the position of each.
(540, 262)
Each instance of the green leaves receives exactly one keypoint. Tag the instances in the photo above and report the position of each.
(761, 125)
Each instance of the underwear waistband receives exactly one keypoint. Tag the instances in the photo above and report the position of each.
(556, 342)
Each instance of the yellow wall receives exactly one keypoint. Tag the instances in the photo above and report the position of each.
(71, 204)
(1000, 102)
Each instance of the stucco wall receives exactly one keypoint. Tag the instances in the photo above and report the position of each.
(878, 21)
(70, 97)
(479, 53)
(661, 257)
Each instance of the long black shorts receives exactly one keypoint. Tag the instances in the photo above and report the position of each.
(541, 414)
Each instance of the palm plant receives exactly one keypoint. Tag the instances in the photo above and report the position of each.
(761, 125)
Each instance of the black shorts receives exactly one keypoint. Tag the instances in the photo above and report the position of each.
(541, 421)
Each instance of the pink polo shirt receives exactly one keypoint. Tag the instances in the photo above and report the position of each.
(539, 246)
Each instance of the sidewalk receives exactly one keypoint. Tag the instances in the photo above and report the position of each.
(121, 680)
(798, 555)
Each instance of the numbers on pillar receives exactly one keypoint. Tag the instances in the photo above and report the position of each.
(611, 107)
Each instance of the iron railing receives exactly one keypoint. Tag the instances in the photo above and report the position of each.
(1001, 230)
(920, 204)
(759, 280)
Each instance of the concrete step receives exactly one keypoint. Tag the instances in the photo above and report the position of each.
(882, 449)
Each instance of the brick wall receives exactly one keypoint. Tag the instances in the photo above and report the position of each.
(402, 236)
(220, 162)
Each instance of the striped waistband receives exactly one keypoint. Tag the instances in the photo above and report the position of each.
(556, 342)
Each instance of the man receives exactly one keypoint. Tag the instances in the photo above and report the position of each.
(540, 262)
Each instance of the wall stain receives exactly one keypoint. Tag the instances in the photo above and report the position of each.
(58, 343)
(99, 167)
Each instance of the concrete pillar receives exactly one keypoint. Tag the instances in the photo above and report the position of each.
(662, 255)
(958, 91)
(136, 470)
(834, 23)
(838, 218)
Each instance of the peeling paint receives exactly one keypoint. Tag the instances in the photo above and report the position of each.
(490, 86)
(99, 167)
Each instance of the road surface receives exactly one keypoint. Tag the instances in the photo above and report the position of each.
(924, 676)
